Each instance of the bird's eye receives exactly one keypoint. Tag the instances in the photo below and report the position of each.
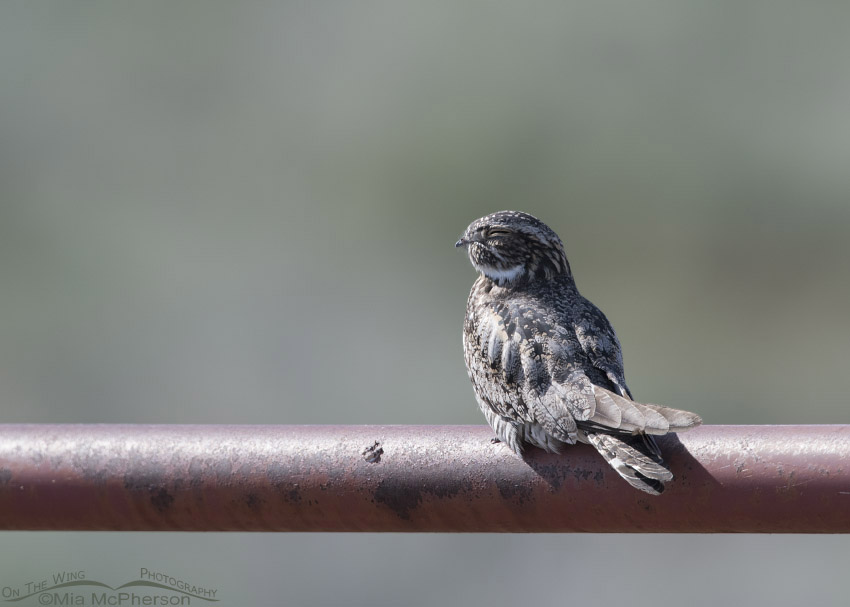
(497, 232)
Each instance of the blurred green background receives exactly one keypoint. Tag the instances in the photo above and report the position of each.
(217, 212)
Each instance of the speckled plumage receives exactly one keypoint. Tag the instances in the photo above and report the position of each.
(545, 363)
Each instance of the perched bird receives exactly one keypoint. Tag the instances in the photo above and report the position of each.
(545, 362)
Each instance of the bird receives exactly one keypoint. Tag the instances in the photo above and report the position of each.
(545, 363)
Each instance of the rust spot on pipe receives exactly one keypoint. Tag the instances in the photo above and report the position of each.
(373, 453)
(403, 495)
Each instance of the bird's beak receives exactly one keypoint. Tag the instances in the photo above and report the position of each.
(461, 243)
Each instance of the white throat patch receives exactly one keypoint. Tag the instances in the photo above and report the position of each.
(502, 276)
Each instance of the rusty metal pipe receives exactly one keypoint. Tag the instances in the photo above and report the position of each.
(772, 479)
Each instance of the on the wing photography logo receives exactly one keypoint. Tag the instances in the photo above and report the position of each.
(77, 588)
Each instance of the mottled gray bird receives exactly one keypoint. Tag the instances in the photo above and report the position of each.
(544, 361)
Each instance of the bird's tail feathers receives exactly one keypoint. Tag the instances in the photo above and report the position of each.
(677, 419)
(620, 413)
(629, 457)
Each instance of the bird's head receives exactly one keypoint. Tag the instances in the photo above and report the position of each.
(511, 247)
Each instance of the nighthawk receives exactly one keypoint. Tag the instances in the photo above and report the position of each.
(545, 363)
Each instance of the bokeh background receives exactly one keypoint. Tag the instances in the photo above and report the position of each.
(219, 212)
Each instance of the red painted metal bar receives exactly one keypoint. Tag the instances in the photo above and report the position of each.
(775, 479)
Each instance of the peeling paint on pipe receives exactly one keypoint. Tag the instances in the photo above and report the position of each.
(763, 479)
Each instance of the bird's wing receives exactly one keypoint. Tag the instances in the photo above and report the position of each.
(528, 368)
(614, 409)
(601, 346)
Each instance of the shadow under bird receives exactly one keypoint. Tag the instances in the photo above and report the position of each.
(545, 363)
